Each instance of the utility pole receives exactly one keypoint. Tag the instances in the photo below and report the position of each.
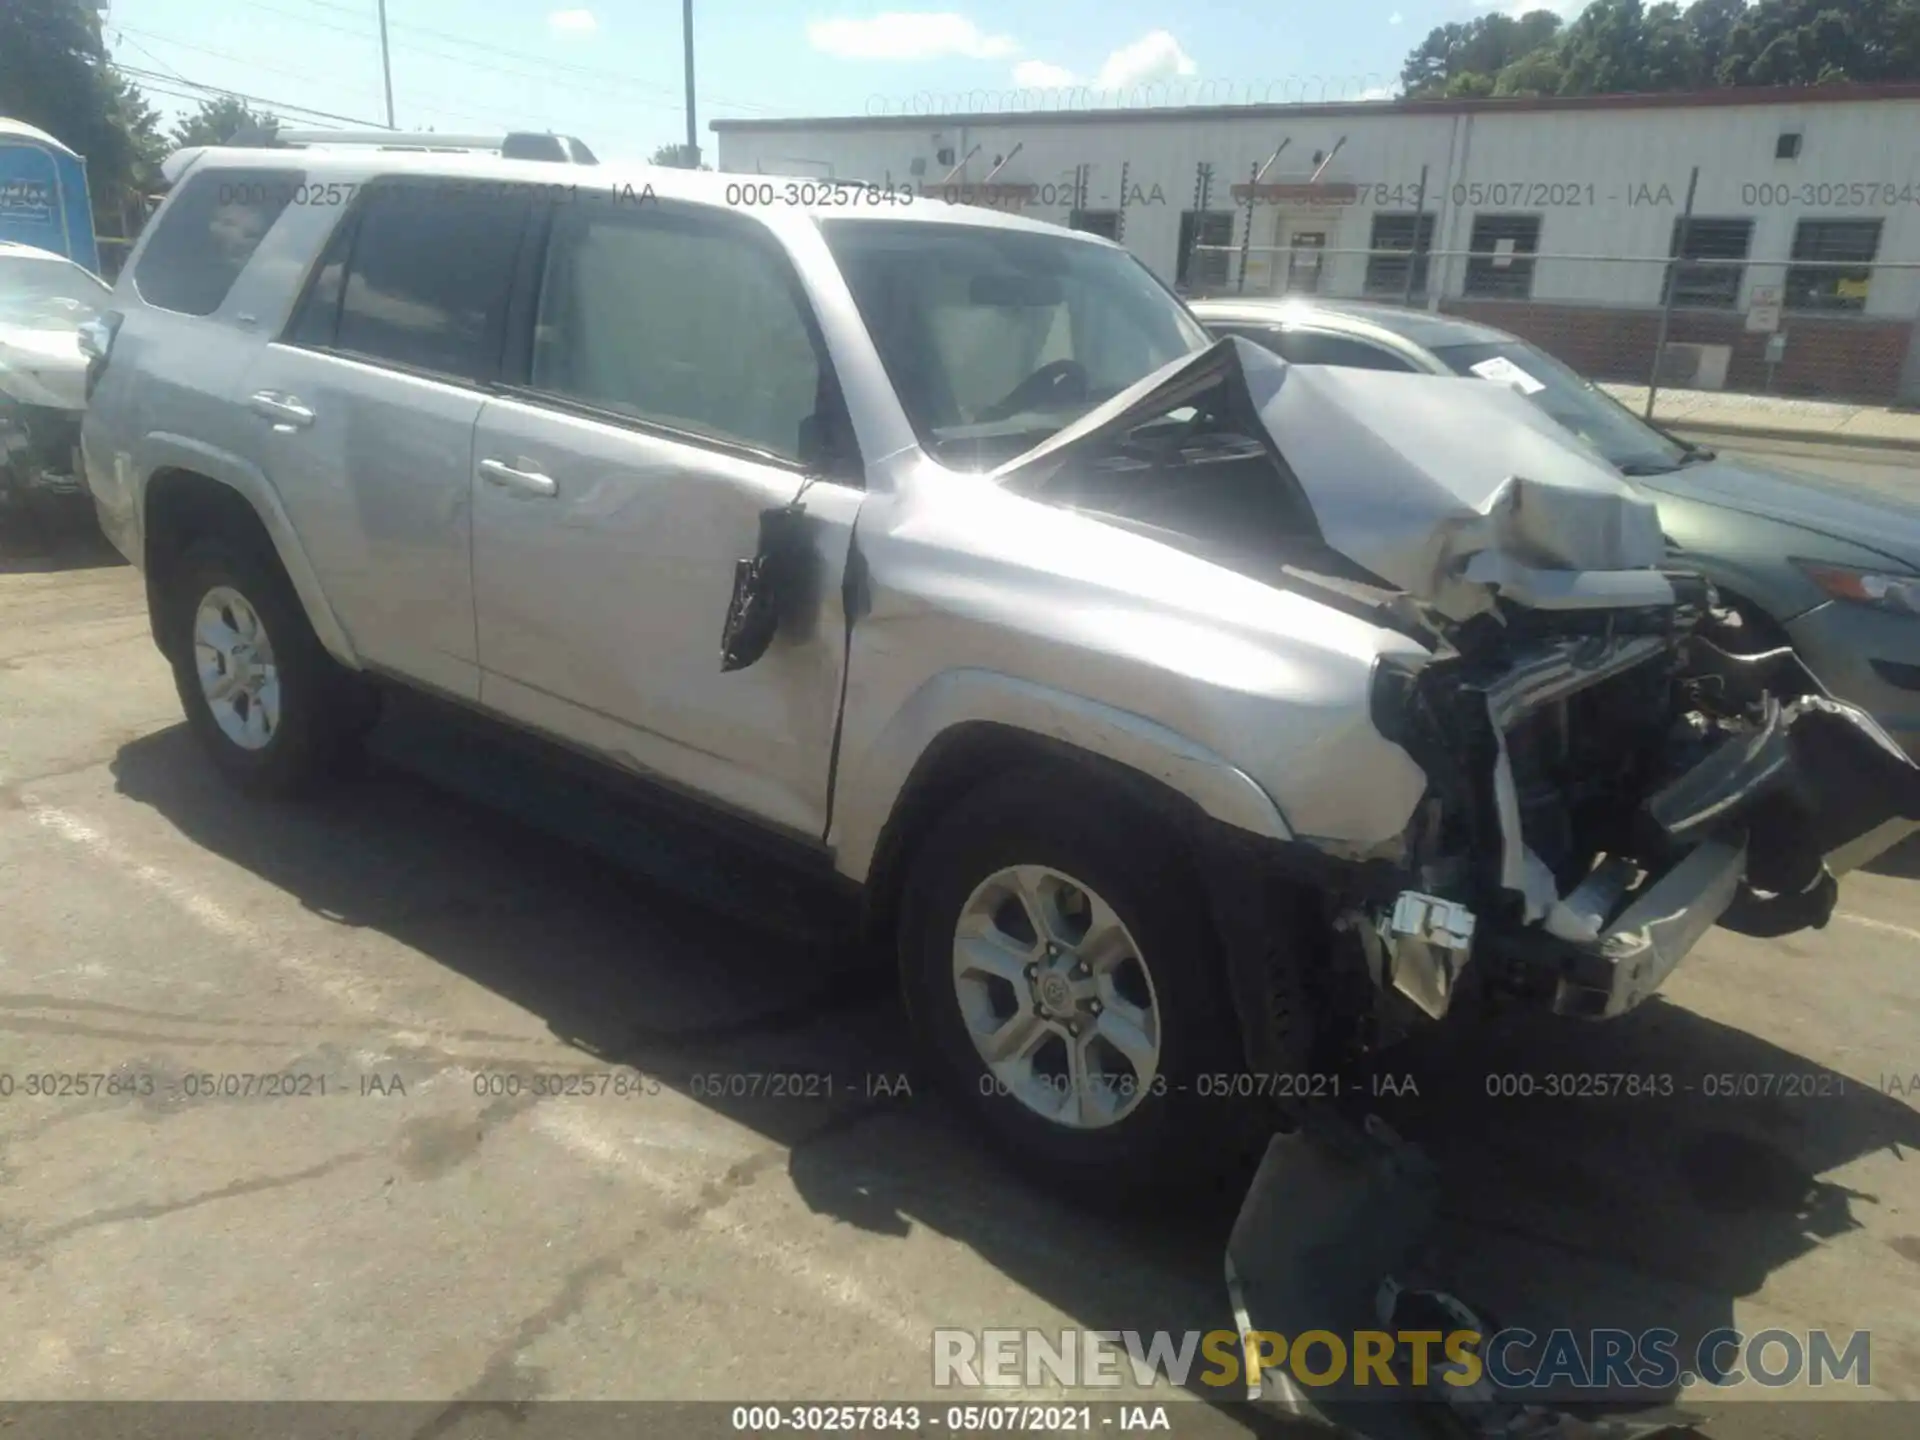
(693, 129)
(386, 65)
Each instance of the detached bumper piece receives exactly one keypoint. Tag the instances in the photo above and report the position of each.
(39, 448)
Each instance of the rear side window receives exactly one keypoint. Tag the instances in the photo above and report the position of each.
(687, 321)
(428, 276)
(1317, 347)
(208, 234)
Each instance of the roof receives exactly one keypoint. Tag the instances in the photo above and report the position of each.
(1506, 105)
(20, 130)
(626, 181)
(1425, 328)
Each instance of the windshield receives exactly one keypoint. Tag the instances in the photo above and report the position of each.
(1627, 443)
(994, 339)
(48, 292)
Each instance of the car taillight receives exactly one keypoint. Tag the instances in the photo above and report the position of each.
(96, 343)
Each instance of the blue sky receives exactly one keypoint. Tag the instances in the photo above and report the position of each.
(610, 70)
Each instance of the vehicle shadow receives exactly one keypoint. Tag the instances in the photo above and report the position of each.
(36, 540)
(1625, 1212)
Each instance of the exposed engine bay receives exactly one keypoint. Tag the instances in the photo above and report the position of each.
(1608, 774)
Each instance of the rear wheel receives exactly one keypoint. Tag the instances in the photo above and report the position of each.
(1061, 971)
(271, 708)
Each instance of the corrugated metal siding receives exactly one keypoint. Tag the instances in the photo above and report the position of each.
(1605, 183)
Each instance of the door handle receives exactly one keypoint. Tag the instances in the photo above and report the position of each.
(286, 412)
(527, 482)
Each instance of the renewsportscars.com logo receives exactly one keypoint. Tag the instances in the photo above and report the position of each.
(1559, 1362)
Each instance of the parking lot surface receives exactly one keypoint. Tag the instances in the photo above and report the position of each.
(334, 1160)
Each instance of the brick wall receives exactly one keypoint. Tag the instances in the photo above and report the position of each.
(1833, 357)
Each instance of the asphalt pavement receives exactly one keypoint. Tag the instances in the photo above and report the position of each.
(413, 1099)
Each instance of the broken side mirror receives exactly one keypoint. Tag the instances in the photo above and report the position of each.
(765, 585)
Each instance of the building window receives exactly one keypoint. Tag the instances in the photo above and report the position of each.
(1104, 223)
(1204, 269)
(1787, 147)
(1501, 265)
(1825, 283)
(1712, 286)
(1387, 273)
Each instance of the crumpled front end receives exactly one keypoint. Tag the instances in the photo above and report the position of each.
(1603, 800)
(1607, 777)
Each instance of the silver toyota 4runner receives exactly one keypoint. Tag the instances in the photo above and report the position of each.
(1180, 714)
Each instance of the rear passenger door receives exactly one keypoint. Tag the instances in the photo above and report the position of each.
(673, 385)
(368, 403)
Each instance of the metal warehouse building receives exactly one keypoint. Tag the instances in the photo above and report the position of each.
(1799, 259)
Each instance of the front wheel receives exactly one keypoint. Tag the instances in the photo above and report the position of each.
(271, 708)
(1060, 968)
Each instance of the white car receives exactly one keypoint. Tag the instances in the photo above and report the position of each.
(44, 300)
(1176, 716)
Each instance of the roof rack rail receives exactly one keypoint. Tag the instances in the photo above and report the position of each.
(513, 145)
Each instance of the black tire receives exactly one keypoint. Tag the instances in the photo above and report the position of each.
(1177, 1137)
(324, 708)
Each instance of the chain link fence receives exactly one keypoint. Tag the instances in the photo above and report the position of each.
(1805, 295)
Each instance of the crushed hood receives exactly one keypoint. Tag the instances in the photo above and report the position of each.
(1450, 492)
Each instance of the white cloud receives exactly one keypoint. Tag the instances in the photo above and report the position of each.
(1154, 56)
(1040, 75)
(1379, 92)
(907, 35)
(1395, 18)
(573, 22)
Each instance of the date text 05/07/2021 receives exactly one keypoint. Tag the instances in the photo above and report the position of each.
(1008, 1418)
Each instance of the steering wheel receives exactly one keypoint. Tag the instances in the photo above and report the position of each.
(1057, 380)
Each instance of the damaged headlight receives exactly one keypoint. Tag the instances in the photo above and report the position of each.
(1882, 589)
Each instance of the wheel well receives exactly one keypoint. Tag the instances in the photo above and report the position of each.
(1756, 626)
(182, 506)
(962, 758)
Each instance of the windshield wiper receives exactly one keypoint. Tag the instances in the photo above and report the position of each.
(1637, 469)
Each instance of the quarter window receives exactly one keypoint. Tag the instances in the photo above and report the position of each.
(428, 278)
(690, 322)
(208, 234)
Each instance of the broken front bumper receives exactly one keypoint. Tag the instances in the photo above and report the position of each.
(1751, 837)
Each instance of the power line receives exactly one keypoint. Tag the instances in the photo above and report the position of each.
(624, 82)
(149, 77)
(124, 30)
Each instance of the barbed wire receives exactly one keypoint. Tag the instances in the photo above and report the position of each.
(1152, 95)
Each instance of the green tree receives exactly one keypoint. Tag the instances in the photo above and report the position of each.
(54, 74)
(1536, 73)
(226, 121)
(1624, 46)
(1482, 47)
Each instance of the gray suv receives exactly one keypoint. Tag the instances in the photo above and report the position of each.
(1178, 723)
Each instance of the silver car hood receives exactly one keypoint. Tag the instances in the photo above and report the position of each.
(1449, 492)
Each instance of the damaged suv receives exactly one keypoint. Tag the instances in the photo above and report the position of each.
(1182, 717)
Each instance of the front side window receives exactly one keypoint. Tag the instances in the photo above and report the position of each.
(208, 234)
(1318, 347)
(689, 321)
(427, 281)
(993, 338)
